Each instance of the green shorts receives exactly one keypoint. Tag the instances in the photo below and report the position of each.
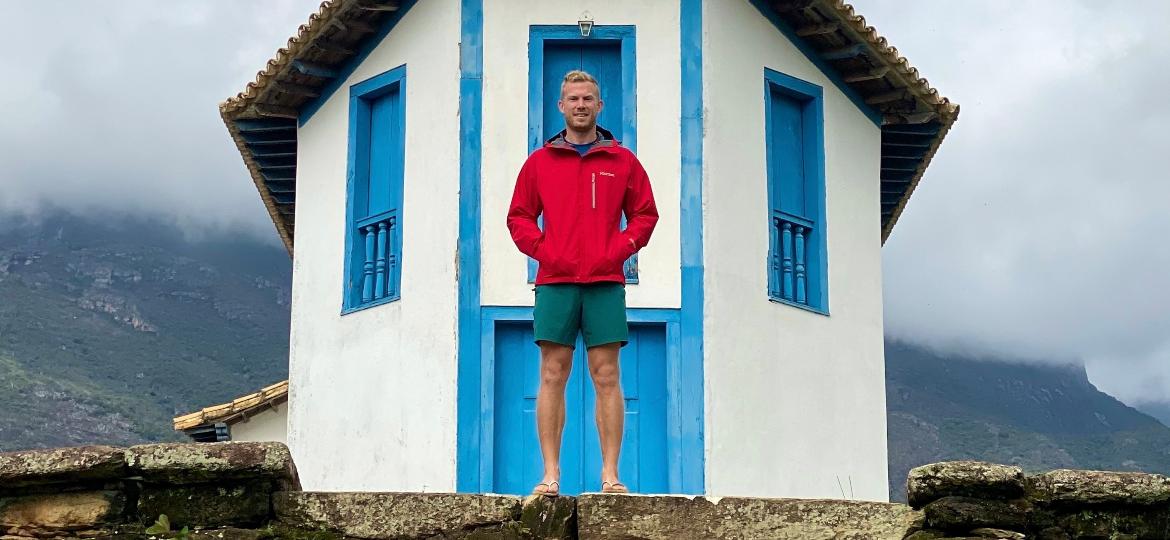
(597, 310)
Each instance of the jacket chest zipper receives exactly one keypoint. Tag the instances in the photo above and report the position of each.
(594, 186)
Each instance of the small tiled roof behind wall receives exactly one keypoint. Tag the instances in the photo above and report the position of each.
(235, 410)
(262, 119)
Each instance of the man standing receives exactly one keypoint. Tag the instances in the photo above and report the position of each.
(581, 180)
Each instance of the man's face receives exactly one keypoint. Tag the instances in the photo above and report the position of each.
(580, 103)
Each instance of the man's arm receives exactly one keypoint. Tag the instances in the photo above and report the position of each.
(641, 212)
(523, 211)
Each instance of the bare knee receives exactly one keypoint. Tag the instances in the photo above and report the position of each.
(555, 365)
(554, 373)
(606, 377)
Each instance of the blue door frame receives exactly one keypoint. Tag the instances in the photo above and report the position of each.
(685, 330)
(684, 447)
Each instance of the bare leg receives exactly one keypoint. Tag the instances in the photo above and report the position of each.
(556, 362)
(611, 406)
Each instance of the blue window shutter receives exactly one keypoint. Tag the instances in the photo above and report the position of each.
(374, 185)
(794, 133)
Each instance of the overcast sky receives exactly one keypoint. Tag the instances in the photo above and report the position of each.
(1039, 229)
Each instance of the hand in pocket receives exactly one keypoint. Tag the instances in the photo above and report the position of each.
(551, 264)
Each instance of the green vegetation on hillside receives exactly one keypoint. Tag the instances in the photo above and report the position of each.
(109, 330)
(1039, 416)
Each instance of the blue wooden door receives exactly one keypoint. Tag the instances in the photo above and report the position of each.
(603, 60)
(517, 463)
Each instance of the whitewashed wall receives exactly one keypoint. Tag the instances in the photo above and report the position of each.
(795, 400)
(373, 393)
(270, 425)
(505, 135)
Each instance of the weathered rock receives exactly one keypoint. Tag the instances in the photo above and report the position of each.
(282, 532)
(1142, 522)
(240, 504)
(926, 535)
(965, 479)
(1004, 534)
(673, 517)
(962, 514)
(62, 511)
(197, 463)
(74, 465)
(229, 533)
(549, 517)
(1052, 533)
(1069, 487)
(400, 515)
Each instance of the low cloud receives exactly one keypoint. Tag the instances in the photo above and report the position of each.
(115, 106)
(1039, 229)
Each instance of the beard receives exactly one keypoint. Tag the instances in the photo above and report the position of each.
(582, 123)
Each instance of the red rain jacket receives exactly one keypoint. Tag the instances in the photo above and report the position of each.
(582, 199)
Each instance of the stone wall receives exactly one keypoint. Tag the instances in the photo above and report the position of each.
(973, 499)
(250, 491)
(102, 491)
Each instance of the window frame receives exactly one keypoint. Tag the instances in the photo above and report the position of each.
(813, 144)
(361, 96)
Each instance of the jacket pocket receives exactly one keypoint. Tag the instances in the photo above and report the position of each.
(548, 260)
(617, 250)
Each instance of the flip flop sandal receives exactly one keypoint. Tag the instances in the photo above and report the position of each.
(614, 487)
(548, 490)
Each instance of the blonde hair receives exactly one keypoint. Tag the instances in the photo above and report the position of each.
(577, 76)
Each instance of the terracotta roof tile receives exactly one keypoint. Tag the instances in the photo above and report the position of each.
(235, 410)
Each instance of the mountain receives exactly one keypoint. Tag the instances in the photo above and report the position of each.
(1038, 416)
(109, 327)
(1156, 409)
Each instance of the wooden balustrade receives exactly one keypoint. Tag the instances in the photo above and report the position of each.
(788, 279)
(380, 262)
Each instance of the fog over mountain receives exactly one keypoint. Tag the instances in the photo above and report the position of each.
(1037, 231)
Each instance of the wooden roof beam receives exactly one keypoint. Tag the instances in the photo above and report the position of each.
(273, 153)
(904, 152)
(886, 97)
(374, 5)
(893, 145)
(295, 89)
(312, 69)
(326, 45)
(844, 53)
(276, 111)
(893, 119)
(912, 129)
(817, 29)
(258, 125)
(897, 176)
(353, 26)
(784, 6)
(873, 74)
(271, 177)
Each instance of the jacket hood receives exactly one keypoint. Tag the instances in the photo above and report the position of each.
(604, 139)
